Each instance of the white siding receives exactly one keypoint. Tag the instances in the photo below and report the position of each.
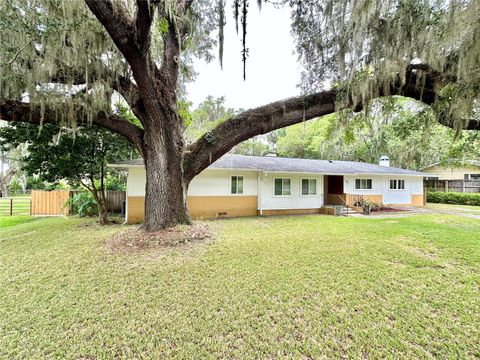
(381, 186)
(413, 186)
(349, 185)
(268, 201)
(207, 183)
(218, 183)
(416, 185)
(136, 182)
(396, 196)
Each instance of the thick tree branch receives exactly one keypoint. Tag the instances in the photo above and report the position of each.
(25, 112)
(172, 41)
(143, 23)
(129, 91)
(262, 120)
(113, 15)
(419, 84)
(171, 56)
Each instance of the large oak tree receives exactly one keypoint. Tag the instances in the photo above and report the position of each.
(70, 57)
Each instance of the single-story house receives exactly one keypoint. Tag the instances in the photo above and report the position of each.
(238, 185)
(469, 171)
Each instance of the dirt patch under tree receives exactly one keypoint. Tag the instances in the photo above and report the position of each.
(137, 239)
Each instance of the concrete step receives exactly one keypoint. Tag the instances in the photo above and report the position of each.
(344, 212)
(348, 212)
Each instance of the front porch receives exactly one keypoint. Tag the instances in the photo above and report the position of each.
(334, 193)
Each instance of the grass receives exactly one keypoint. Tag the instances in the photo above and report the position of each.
(6, 221)
(297, 287)
(21, 206)
(470, 209)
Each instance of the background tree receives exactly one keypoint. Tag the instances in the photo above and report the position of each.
(79, 157)
(256, 146)
(208, 114)
(71, 62)
(7, 171)
(10, 167)
(404, 130)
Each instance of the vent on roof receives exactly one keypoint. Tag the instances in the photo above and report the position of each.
(271, 155)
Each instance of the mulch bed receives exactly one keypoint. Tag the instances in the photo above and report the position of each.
(136, 239)
(389, 210)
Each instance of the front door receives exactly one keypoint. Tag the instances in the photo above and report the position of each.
(333, 187)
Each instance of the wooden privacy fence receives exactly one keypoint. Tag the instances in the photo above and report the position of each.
(10, 206)
(53, 203)
(114, 199)
(50, 203)
(465, 186)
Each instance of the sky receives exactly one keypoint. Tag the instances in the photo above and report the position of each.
(273, 71)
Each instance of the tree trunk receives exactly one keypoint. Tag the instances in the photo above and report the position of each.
(102, 207)
(166, 188)
(3, 189)
(102, 213)
(99, 196)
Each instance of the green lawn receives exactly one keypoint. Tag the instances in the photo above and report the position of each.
(18, 205)
(295, 287)
(13, 220)
(469, 209)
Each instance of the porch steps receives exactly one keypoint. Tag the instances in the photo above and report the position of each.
(345, 211)
(349, 211)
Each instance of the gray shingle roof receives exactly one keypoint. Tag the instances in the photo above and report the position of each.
(278, 164)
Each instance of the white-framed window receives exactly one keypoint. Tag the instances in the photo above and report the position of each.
(396, 184)
(282, 187)
(309, 187)
(474, 177)
(237, 184)
(363, 184)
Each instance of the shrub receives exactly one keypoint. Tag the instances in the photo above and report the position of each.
(116, 183)
(454, 198)
(83, 204)
(14, 187)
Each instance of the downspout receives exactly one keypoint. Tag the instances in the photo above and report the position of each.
(259, 178)
(126, 197)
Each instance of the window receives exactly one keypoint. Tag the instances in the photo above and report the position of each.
(237, 184)
(397, 184)
(309, 186)
(363, 184)
(474, 176)
(282, 187)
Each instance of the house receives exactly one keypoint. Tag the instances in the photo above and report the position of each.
(470, 171)
(238, 185)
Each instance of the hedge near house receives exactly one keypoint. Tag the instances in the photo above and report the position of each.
(453, 198)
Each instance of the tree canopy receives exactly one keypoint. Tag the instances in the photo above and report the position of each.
(59, 153)
(367, 46)
(406, 131)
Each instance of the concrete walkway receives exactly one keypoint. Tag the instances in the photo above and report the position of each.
(422, 210)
